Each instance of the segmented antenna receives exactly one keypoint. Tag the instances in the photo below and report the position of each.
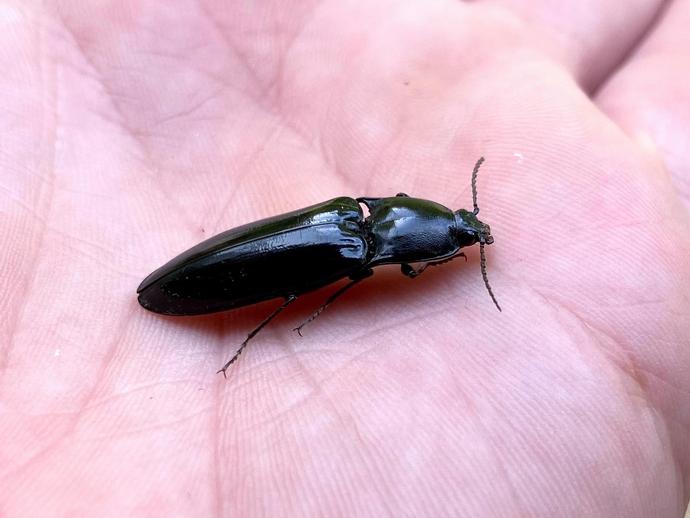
(482, 264)
(482, 256)
(474, 185)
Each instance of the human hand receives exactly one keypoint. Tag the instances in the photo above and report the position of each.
(131, 131)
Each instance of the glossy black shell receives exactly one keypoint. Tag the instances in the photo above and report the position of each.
(279, 256)
(306, 249)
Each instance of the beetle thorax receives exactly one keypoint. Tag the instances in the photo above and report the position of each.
(407, 230)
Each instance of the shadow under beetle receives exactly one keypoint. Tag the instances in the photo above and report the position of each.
(301, 251)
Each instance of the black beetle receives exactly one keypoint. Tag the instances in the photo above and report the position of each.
(301, 251)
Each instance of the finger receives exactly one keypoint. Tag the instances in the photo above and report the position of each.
(591, 36)
(650, 96)
(650, 99)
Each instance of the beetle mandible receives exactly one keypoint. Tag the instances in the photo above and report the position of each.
(301, 251)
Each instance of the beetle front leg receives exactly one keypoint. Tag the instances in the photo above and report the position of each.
(329, 300)
(251, 335)
(409, 271)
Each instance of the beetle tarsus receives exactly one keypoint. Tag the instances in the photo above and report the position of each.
(251, 335)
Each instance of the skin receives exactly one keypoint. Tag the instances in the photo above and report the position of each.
(133, 130)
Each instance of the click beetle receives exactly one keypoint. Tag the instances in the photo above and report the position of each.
(301, 251)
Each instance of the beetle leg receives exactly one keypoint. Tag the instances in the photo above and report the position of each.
(251, 335)
(436, 263)
(367, 201)
(410, 272)
(372, 201)
(330, 299)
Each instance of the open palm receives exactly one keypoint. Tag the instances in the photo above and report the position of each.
(133, 130)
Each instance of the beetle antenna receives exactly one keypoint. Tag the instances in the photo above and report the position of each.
(482, 264)
(474, 185)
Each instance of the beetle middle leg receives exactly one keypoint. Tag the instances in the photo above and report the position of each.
(409, 271)
(329, 300)
(251, 335)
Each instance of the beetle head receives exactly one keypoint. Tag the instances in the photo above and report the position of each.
(469, 230)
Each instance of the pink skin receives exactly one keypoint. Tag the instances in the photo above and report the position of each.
(132, 130)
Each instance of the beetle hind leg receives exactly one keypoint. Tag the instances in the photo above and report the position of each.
(252, 334)
(330, 299)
